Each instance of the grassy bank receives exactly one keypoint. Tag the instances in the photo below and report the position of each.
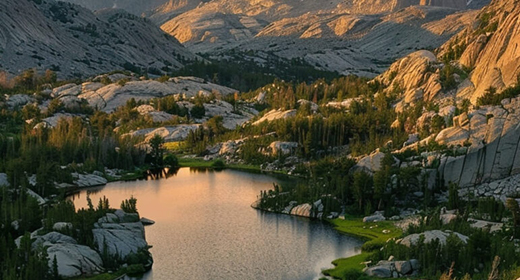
(201, 163)
(375, 234)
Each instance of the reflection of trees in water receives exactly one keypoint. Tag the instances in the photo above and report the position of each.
(159, 173)
(203, 170)
(76, 193)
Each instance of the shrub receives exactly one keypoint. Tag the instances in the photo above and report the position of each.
(171, 160)
(129, 205)
(123, 82)
(163, 79)
(218, 164)
(353, 274)
(198, 111)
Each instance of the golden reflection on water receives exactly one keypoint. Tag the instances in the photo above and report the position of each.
(206, 229)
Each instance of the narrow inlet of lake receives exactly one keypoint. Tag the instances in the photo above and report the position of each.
(206, 229)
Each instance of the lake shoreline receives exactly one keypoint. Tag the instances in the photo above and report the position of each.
(234, 187)
(372, 234)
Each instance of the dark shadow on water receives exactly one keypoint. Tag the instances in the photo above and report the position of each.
(204, 170)
(76, 194)
(160, 173)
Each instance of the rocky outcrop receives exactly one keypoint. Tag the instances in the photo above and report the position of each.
(281, 148)
(230, 118)
(4, 182)
(88, 180)
(62, 226)
(498, 62)
(146, 221)
(230, 147)
(109, 97)
(456, 4)
(52, 121)
(72, 259)
(448, 216)
(499, 189)
(119, 234)
(303, 210)
(414, 77)
(156, 116)
(492, 133)
(371, 162)
(18, 100)
(172, 133)
(314, 210)
(275, 115)
(377, 217)
(430, 236)
(36, 196)
(374, 6)
(470, 56)
(485, 225)
(393, 269)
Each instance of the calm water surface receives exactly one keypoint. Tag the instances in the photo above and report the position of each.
(206, 229)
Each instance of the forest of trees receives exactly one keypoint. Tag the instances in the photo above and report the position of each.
(94, 141)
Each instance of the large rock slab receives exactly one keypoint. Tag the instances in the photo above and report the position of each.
(275, 115)
(304, 210)
(429, 236)
(374, 218)
(74, 260)
(4, 182)
(53, 238)
(452, 136)
(117, 237)
(505, 155)
(172, 133)
(379, 271)
(19, 100)
(111, 96)
(88, 180)
(480, 224)
(403, 267)
(371, 162)
(453, 169)
(282, 148)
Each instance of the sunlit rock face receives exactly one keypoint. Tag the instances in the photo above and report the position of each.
(361, 37)
(381, 6)
(109, 97)
(498, 63)
(456, 4)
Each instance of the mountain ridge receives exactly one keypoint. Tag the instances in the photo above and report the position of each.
(73, 41)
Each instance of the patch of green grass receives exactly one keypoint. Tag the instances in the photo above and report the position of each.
(195, 162)
(132, 176)
(375, 234)
(200, 163)
(104, 276)
(245, 167)
(345, 264)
